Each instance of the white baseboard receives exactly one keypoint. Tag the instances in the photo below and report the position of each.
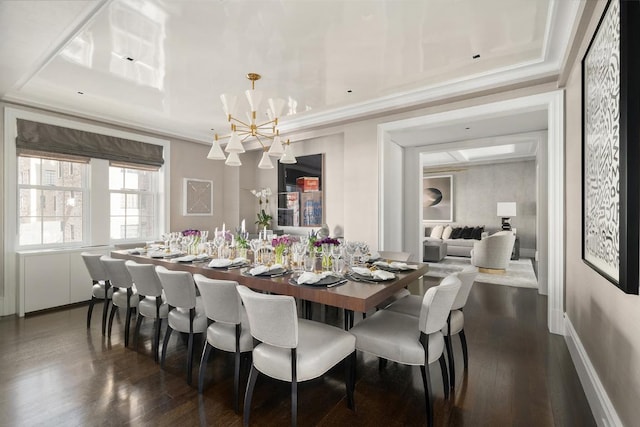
(603, 411)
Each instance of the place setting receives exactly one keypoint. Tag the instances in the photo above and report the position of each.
(394, 266)
(327, 279)
(228, 263)
(266, 271)
(369, 275)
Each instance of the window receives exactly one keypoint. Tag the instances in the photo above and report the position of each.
(133, 196)
(50, 207)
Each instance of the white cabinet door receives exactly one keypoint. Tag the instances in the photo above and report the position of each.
(46, 281)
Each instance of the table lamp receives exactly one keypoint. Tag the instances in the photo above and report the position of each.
(506, 210)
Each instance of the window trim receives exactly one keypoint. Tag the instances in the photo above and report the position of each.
(91, 238)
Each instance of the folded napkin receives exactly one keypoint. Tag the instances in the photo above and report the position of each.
(239, 260)
(156, 254)
(261, 269)
(382, 264)
(403, 266)
(310, 278)
(382, 275)
(202, 256)
(186, 258)
(220, 262)
(363, 271)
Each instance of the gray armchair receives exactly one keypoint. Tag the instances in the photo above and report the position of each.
(493, 252)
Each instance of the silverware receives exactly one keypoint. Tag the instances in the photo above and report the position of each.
(341, 282)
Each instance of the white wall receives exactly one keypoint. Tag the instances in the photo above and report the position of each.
(392, 197)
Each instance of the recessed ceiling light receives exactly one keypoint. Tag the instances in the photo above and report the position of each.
(467, 128)
(80, 93)
(476, 56)
(128, 58)
(349, 91)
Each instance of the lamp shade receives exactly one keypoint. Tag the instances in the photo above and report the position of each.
(506, 209)
(233, 160)
(265, 162)
(216, 152)
(234, 145)
(229, 103)
(276, 148)
(288, 157)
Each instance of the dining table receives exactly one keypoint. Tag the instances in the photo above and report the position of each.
(351, 296)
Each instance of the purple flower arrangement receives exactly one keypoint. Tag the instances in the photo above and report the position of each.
(281, 242)
(191, 233)
(326, 241)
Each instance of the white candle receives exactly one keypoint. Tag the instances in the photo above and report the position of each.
(215, 234)
(223, 228)
(243, 224)
(233, 240)
(265, 232)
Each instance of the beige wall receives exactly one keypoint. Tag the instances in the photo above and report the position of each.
(605, 318)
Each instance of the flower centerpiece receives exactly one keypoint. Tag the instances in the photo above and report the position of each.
(280, 245)
(193, 240)
(264, 217)
(242, 242)
(325, 245)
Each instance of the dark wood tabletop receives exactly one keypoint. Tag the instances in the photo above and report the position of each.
(354, 296)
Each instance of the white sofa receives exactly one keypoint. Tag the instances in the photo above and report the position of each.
(455, 247)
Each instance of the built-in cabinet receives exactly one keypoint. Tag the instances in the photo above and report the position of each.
(53, 278)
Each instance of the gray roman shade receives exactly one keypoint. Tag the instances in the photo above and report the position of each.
(34, 137)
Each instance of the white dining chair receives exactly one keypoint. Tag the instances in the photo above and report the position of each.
(292, 349)
(124, 294)
(230, 328)
(455, 321)
(186, 312)
(410, 340)
(152, 304)
(101, 288)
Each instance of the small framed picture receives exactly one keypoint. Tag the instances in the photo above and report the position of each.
(197, 197)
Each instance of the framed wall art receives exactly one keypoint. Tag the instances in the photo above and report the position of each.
(197, 197)
(610, 147)
(437, 198)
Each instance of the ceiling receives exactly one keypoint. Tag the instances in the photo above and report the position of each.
(161, 65)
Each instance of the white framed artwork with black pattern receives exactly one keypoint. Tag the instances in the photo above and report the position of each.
(611, 147)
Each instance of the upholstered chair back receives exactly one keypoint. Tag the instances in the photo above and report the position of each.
(273, 319)
(437, 303)
(221, 300)
(467, 277)
(179, 287)
(117, 272)
(94, 266)
(145, 277)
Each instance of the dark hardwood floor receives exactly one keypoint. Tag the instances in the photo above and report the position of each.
(54, 371)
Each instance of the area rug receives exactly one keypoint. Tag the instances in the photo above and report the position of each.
(519, 273)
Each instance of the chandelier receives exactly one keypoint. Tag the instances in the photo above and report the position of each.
(243, 130)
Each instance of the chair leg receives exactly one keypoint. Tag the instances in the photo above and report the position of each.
(127, 324)
(350, 382)
(203, 366)
(91, 303)
(105, 307)
(236, 382)
(382, 363)
(156, 338)
(445, 378)
(114, 308)
(294, 387)
(452, 366)
(164, 345)
(189, 358)
(105, 310)
(253, 376)
(136, 333)
(465, 355)
(426, 381)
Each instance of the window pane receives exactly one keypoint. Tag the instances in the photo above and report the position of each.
(73, 229)
(28, 171)
(52, 230)
(116, 178)
(135, 179)
(118, 203)
(30, 231)
(117, 227)
(146, 227)
(71, 174)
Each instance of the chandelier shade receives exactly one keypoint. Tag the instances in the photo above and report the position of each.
(288, 158)
(250, 129)
(216, 152)
(233, 160)
(265, 162)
